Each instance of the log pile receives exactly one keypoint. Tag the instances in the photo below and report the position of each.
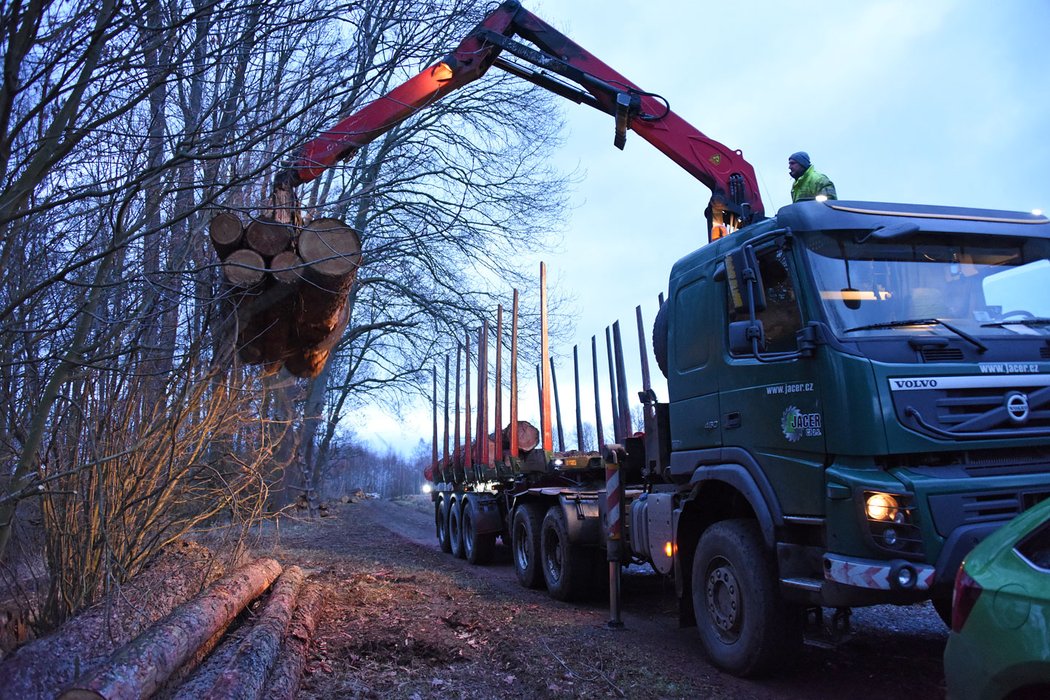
(43, 667)
(165, 654)
(291, 285)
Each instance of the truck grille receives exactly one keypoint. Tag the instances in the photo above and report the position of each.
(950, 511)
(974, 407)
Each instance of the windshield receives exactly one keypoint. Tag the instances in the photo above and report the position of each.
(982, 285)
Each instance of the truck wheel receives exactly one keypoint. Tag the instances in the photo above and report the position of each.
(565, 567)
(477, 548)
(525, 544)
(455, 528)
(660, 338)
(745, 627)
(441, 524)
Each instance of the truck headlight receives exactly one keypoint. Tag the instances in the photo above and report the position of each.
(892, 523)
(881, 506)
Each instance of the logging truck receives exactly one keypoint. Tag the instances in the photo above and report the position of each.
(858, 392)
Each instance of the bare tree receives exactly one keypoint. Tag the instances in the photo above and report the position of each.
(448, 204)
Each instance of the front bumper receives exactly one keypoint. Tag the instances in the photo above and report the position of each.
(877, 575)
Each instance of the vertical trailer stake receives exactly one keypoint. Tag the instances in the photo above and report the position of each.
(514, 379)
(434, 451)
(483, 397)
(597, 396)
(468, 447)
(621, 386)
(579, 409)
(447, 456)
(498, 415)
(617, 437)
(557, 407)
(545, 356)
(457, 449)
(614, 533)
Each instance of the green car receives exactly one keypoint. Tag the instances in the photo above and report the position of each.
(999, 646)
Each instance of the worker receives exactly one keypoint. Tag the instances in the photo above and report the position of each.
(809, 182)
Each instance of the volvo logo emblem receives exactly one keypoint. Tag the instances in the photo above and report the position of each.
(1017, 406)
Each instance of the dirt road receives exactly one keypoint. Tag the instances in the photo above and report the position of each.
(405, 620)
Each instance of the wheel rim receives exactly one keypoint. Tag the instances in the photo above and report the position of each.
(442, 534)
(453, 523)
(724, 600)
(521, 547)
(468, 531)
(552, 554)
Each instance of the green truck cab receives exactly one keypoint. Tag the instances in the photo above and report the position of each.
(858, 393)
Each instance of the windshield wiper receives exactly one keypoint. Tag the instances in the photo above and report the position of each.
(1019, 322)
(923, 322)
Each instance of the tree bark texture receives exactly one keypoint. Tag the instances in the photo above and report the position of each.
(43, 667)
(287, 673)
(295, 282)
(141, 667)
(245, 675)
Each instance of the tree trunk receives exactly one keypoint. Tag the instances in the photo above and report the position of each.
(246, 673)
(43, 667)
(283, 683)
(140, 667)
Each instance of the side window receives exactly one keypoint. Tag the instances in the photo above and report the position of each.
(781, 318)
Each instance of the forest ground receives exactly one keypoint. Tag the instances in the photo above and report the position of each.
(404, 620)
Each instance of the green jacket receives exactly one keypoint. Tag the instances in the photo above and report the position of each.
(810, 184)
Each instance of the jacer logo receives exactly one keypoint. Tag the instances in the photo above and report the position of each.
(796, 425)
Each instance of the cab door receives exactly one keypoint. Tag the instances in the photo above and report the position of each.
(770, 395)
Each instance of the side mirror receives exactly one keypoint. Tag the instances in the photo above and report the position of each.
(745, 282)
(743, 333)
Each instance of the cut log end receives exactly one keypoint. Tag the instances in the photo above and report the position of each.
(330, 247)
(244, 268)
(286, 267)
(226, 231)
(528, 437)
(268, 237)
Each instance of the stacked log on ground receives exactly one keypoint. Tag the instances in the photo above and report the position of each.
(291, 285)
(283, 683)
(42, 668)
(142, 666)
(241, 665)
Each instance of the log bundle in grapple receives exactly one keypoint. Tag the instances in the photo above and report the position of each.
(291, 285)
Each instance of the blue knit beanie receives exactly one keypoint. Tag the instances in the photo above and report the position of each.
(801, 157)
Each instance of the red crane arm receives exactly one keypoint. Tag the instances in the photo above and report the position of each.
(581, 77)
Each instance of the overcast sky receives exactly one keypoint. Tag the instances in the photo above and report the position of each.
(937, 102)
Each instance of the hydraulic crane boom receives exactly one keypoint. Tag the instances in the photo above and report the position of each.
(565, 68)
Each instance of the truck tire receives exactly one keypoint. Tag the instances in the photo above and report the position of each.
(455, 528)
(525, 544)
(745, 627)
(660, 338)
(441, 524)
(477, 548)
(566, 568)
